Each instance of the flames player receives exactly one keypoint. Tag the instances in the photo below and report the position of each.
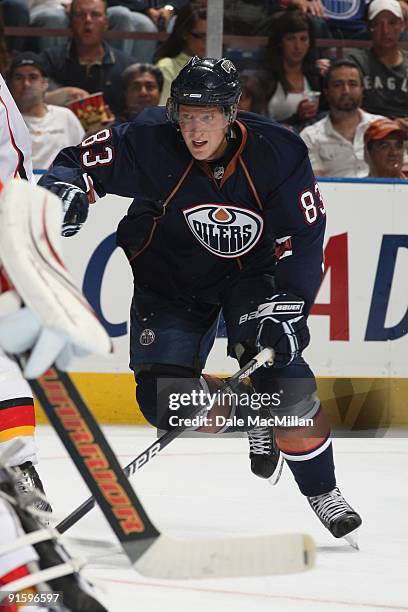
(26, 568)
(17, 418)
(226, 215)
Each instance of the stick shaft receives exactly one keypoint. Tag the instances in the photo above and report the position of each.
(95, 460)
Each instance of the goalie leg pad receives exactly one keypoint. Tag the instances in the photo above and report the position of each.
(11, 532)
(30, 251)
(32, 556)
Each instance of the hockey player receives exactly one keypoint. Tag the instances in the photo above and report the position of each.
(17, 418)
(45, 316)
(226, 214)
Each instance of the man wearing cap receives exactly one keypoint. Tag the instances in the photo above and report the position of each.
(384, 149)
(385, 65)
(51, 127)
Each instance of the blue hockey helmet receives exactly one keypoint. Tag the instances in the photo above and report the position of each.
(205, 82)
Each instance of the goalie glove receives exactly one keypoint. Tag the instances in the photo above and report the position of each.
(282, 326)
(75, 204)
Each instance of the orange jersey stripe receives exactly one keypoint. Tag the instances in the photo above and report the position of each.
(16, 432)
(300, 446)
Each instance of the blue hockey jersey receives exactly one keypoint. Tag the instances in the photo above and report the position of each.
(189, 233)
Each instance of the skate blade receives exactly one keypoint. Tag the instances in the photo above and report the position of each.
(352, 539)
(274, 479)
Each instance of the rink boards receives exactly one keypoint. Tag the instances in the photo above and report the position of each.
(359, 323)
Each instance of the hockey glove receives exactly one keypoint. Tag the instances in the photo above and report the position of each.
(75, 204)
(282, 327)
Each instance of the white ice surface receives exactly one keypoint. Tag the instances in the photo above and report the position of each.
(204, 487)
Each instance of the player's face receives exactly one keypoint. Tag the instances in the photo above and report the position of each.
(344, 90)
(386, 157)
(195, 40)
(89, 21)
(142, 91)
(28, 86)
(295, 45)
(385, 30)
(204, 129)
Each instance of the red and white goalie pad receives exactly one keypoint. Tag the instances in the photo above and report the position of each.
(56, 321)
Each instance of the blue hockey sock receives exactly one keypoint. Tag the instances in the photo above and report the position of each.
(314, 475)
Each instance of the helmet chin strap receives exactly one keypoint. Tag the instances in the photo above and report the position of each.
(232, 117)
(231, 134)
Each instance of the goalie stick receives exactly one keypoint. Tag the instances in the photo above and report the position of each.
(157, 446)
(150, 552)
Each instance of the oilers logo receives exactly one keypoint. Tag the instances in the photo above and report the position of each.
(223, 229)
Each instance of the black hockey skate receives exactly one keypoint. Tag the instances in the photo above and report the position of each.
(335, 513)
(265, 456)
(28, 481)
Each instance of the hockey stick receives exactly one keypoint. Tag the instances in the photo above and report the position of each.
(157, 446)
(150, 552)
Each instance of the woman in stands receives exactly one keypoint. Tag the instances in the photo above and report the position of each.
(188, 38)
(293, 78)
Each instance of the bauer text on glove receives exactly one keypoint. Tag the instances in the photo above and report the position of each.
(282, 326)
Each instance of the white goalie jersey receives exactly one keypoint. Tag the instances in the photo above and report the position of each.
(15, 149)
(15, 140)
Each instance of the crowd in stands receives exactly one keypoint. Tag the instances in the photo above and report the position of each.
(352, 113)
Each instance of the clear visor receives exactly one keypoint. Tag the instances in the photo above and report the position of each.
(191, 119)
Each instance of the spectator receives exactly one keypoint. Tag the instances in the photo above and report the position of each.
(291, 73)
(348, 19)
(336, 142)
(140, 16)
(256, 18)
(15, 13)
(385, 65)
(142, 85)
(384, 147)
(131, 15)
(51, 127)
(87, 61)
(188, 38)
(253, 96)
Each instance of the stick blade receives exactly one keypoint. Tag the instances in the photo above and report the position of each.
(227, 557)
